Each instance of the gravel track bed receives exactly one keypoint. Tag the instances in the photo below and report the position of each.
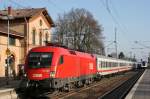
(96, 89)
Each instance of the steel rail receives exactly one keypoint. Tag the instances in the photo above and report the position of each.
(122, 90)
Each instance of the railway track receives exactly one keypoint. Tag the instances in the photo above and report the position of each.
(96, 89)
(122, 90)
(93, 90)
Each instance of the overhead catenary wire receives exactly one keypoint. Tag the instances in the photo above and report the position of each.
(52, 3)
(5, 3)
(117, 15)
(17, 4)
(111, 10)
(109, 44)
(105, 3)
(137, 42)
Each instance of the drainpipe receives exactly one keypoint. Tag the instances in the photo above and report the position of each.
(26, 33)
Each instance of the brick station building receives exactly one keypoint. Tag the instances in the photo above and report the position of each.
(28, 28)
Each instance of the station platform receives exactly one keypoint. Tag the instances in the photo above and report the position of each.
(7, 91)
(141, 89)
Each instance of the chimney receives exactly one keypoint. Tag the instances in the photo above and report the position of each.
(9, 10)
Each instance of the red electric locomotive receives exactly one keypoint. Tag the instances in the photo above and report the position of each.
(55, 67)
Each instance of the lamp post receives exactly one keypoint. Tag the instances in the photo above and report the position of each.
(8, 68)
(8, 18)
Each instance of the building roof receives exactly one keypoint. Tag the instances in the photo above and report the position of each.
(4, 30)
(27, 13)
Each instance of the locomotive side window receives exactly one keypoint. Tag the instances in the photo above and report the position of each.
(61, 60)
(40, 59)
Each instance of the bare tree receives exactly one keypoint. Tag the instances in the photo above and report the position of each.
(79, 30)
(121, 55)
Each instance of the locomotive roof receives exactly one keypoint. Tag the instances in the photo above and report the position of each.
(65, 50)
(61, 50)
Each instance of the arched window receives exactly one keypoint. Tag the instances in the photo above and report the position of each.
(41, 23)
(46, 36)
(33, 36)
(40, 38)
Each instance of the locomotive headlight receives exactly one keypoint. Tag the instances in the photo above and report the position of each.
(52, 74)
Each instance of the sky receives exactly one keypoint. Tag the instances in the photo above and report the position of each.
(131, 18)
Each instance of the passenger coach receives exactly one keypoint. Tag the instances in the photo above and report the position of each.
(107, 65)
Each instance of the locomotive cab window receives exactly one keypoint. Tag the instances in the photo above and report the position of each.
(61, 60)
(40, 59)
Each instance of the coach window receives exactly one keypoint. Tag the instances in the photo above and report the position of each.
(61, 60)
(101, 64)
(122, 64)
(105, 64)
(110, 64)
(119, 64)
(116, 64)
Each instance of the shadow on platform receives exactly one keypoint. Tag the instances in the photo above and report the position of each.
(10, 82)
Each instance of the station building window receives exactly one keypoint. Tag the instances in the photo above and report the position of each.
(12, 41)
(46, 36)
(41, 22)
(40, 38)
(33, 36)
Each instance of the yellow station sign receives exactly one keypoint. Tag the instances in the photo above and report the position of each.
(8, 51)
